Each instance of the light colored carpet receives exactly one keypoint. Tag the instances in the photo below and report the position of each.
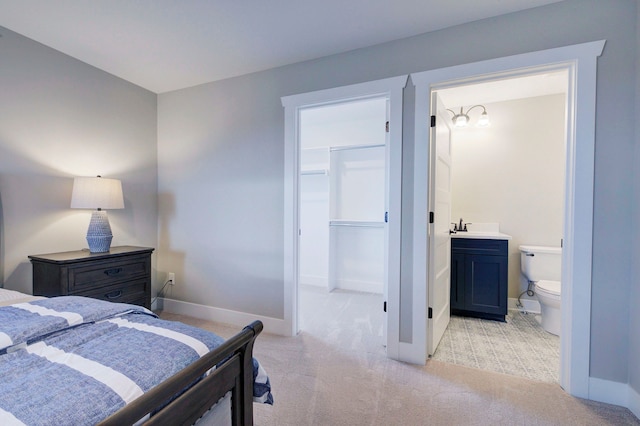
(335, 373)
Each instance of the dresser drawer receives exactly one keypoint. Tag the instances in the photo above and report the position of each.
(127, 292)
(98, 274)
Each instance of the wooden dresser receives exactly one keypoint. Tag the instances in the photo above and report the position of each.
(122, 274)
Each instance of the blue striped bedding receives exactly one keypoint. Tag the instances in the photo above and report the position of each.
(74, 360)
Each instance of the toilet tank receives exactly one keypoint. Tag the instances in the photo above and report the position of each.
(541, 262)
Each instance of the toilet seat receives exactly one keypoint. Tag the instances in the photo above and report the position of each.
(549, 287)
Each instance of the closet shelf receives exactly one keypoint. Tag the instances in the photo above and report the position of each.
(357, 223)
(306, 172)
(350, 147)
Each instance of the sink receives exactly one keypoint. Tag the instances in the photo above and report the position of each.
(487, 231)
(487, 235)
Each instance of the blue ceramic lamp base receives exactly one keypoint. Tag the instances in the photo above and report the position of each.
(99, 233)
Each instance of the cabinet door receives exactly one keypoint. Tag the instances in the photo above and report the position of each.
(486, 284)
(457, 281)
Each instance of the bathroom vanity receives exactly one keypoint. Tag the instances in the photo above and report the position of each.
(479, 274)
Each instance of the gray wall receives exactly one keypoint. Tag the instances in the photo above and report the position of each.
(61, 118)
(220, 150)
(634, 299)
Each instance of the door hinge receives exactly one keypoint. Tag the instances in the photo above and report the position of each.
(386, 127)
(430, 315)
(386, 217)
(431, 218)
(384, 307)
(433, 121)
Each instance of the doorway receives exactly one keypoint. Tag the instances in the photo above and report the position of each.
(343, 168)
(578, 221)
(391, 90)
(508, 176)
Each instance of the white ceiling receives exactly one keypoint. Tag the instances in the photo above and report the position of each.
(164, 45)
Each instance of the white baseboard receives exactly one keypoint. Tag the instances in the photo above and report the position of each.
(361, 286)
(609, 392)
(226, 316)
(342, 284)
(634, 402)
(528, 305)
(314, 280)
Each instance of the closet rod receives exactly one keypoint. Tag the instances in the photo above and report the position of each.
(345, 147)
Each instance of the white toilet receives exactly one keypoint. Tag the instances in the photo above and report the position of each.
(543, 265)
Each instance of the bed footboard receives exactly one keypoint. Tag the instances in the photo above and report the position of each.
(234, 375)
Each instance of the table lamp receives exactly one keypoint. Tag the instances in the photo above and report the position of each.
(97, 193)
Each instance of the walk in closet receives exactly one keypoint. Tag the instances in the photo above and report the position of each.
(342, 195)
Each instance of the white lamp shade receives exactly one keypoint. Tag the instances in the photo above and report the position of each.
(96, 193)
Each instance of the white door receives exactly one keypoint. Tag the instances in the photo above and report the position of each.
(439, 243)
(387, 186)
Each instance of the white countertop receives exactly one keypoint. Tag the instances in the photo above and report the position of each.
(482, 235)
(486, 231)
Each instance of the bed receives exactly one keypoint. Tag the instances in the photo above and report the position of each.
(75, 360)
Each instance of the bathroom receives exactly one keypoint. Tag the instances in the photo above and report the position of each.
(511, 175)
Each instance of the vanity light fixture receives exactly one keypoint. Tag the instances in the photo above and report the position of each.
(97, 193)
(461, 119)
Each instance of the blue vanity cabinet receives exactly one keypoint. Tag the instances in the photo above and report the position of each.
(479, 277)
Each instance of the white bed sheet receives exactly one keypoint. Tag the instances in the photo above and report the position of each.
(9, 297)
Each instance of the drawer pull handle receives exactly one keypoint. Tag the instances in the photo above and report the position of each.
(114, 294)
(113, 271)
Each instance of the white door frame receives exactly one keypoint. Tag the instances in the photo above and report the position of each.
(581, 62)
(391, 88)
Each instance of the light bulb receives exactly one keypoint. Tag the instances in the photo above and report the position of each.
(483, 121)
(461, 120)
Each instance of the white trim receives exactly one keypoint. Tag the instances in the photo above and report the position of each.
(360, 286)
(355, 91)
(634, 402)
(391, 88)
(225, 316)
(609, 392)
(314, 280)
(576, 309)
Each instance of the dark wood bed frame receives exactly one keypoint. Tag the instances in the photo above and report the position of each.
(233, 373)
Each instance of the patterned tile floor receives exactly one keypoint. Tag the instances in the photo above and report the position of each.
(519, 347)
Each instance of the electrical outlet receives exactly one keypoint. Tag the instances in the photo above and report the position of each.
(171, 277)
